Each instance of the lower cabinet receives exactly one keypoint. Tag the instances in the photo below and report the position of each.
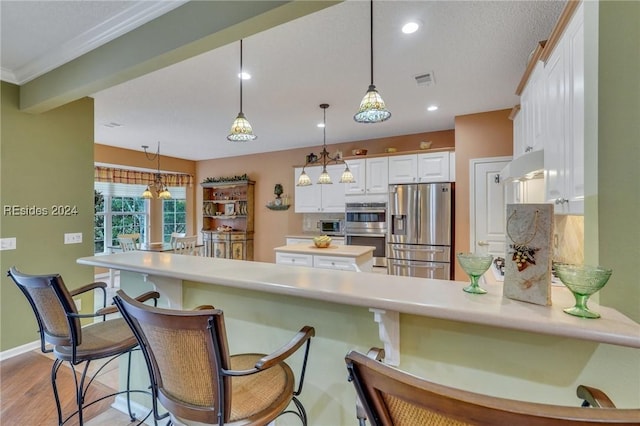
(294, 259)
(331, 262)
(228, 245)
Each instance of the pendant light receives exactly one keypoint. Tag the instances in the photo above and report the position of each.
(241, 130)
(372, 108)
(324, 159)
(158, 186)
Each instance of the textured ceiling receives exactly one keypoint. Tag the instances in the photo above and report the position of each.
(477, 51)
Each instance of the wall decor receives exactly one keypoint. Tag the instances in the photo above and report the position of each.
(529, 232)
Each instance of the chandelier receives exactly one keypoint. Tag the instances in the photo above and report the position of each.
(324, 159)
(158, 187)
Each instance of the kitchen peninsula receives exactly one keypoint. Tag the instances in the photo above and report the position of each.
(339, 257)
(482, 343)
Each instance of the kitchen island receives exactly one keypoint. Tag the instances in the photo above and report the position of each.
(339, 257)
(480, 343)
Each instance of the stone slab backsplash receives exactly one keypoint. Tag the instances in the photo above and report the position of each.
(569, 240)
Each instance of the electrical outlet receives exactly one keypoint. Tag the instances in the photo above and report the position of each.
(8, 243)
(78, 303)
(73, 238)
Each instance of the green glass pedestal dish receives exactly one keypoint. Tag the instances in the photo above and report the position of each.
(475, 265)
(583, 281)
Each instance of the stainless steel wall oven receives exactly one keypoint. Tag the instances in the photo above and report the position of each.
(366, 225)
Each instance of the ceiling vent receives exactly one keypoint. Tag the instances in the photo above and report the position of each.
(425, 79)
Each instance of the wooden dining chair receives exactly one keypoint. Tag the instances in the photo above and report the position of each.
(186, 245)
(196, 379)
(61, 333)
(394, 397)
(129, 242)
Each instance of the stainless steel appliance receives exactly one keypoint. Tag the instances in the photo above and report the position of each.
(420, 230)
(333, 227)
(366, 225)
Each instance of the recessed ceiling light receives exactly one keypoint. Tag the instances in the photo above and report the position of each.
(410, 27)
(432, 108)
(244, 76)
(320, 125)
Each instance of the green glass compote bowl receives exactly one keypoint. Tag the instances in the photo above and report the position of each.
(583, 281)
(474, 265)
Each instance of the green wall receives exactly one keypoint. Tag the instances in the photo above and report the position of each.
(618, 153)
(46, 160)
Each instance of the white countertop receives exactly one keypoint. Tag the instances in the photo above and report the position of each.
(332, 250)
(426, 297)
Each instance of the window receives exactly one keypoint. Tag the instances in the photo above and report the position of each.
(174, 215)
(121, 211)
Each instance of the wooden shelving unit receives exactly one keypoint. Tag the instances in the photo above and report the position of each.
(228, 219)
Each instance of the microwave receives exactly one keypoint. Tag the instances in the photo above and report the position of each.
(331, 227)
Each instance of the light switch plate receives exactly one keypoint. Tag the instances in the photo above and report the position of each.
(8, 243)
(73, 238)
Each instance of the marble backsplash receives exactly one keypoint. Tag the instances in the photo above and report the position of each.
(569, 239)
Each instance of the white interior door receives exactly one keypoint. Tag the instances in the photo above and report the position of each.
(487, 206)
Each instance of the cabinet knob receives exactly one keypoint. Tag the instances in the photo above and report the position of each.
(362, 190)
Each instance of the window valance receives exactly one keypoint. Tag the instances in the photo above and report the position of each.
(112, 175)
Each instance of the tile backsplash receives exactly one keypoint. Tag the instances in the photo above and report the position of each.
(310, 220)
(569, 239)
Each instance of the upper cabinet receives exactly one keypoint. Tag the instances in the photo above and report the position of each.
(532, 104)
(315, 198)
(371, 176)
(564, 145)
(551, 115)
(420, 168)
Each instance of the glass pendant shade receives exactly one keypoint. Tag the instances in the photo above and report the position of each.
(304, 179)
(164, 194)
(372, 108)
(147, 194)
(324, 178)
(347, 176)
(241, 130)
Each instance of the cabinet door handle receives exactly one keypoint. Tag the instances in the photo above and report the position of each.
(483, 243)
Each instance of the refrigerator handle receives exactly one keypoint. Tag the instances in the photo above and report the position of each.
(419, 225)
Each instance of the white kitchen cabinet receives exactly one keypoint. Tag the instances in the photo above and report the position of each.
(532, 108)
(294, 259)
(371, 176)
(335, 262)
(343, 258)
(433, 167)
(420, 168)
(403, 168)
(317, 198)
(564, 147)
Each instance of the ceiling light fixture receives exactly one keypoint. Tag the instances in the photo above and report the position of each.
(372, 108)
(432, 108)
(410, 27)
(324, 159)
(241, 130)
(157, 186)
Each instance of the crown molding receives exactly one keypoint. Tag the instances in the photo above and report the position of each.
(133, 17)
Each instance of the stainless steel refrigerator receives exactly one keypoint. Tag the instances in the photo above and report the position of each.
(420, 230)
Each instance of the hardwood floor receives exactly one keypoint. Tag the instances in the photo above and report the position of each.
(26, 396)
